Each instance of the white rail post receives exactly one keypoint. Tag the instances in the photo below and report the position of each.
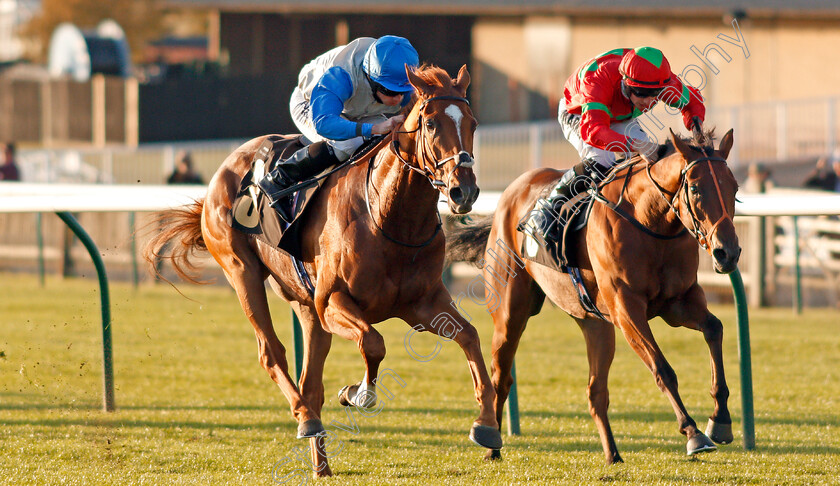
(535, 139)
(830, 125)
(781, 132)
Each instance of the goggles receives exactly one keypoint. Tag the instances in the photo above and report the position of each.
(645, 92)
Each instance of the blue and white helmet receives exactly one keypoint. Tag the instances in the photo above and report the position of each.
(385, 62)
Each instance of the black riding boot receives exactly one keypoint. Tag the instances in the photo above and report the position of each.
(303, 164)
(546, 220)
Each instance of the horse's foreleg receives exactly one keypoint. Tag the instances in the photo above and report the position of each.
(441, 318)
(341, 315)
(630, 317)
(600, 350)
(691, 312)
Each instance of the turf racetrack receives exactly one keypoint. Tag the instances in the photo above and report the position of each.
(194, 406)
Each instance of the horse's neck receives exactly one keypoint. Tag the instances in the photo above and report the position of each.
(402, 201)
(649, 205)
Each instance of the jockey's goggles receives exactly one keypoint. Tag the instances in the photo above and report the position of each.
(378, 88)
(645, 92)
(383, 90)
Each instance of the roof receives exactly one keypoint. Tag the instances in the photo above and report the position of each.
(756, 8)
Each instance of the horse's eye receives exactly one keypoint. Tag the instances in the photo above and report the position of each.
(430, 124)
(694, 189)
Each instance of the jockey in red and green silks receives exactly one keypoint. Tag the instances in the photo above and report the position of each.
(598, 115)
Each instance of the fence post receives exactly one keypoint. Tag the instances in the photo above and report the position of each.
(39, 236)
(830, 126)
(297, 333)
(797, 271)
(513, 404)
(744, 353)
(477, 156)
(734, 154)
(781, 132)
(97, 95)
(135, 274)
(535, 139)
(107, 354)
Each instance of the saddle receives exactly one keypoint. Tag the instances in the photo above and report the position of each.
(572, 217)
(252, 213)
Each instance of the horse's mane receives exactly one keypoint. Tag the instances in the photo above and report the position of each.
(433, 76)
(696, 141)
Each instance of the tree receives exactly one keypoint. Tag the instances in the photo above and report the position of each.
(142, 21)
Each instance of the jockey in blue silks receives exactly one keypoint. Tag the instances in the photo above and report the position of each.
(343, 97)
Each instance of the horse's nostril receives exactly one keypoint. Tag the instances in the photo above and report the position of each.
(456, 195)
(719, 254)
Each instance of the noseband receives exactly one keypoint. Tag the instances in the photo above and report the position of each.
(424, 153)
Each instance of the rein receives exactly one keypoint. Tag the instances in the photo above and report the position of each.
(701, 237)
(616, 206)
(464, 160)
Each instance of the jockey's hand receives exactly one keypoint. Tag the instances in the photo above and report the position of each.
(387, 125)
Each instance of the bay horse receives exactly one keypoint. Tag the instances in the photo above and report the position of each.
(373, 244)
(634, 268)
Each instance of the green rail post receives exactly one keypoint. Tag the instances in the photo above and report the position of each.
(513, 404)
(744, 354)
(797, 295)
(39, 236)
(107, 355)
(135, 274)
(297, 333)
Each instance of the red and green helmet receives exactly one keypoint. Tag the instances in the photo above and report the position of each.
(645, 67)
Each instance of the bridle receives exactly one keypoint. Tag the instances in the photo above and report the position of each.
(422, 153)
(682, 195)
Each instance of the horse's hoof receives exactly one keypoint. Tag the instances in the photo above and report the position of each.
(616, 459)
(485, 436)
(493, 455)
(699, 443)
(342, 396)
(720, 433)
(348, 395)
(310, 428)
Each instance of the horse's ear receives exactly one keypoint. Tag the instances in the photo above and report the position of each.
(422, 87)
(462, 81)
(726, 144)
(680, 145)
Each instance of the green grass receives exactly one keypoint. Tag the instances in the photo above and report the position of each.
(194, 407)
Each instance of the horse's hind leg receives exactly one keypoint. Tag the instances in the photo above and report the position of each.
(245, 275)
(691, 311)
(519, 299)
(316, 345)
(600, 350)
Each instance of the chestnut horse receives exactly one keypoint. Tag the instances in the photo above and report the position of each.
(372, 241)
(631, 274)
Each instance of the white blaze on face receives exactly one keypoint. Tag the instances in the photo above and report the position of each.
(456, 114)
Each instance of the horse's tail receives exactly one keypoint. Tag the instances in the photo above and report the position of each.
(466, 242)
(178, 239)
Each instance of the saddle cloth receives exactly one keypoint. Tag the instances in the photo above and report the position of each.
(557, 255)
(251, 212)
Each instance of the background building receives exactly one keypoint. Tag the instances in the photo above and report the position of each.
(520, 53)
